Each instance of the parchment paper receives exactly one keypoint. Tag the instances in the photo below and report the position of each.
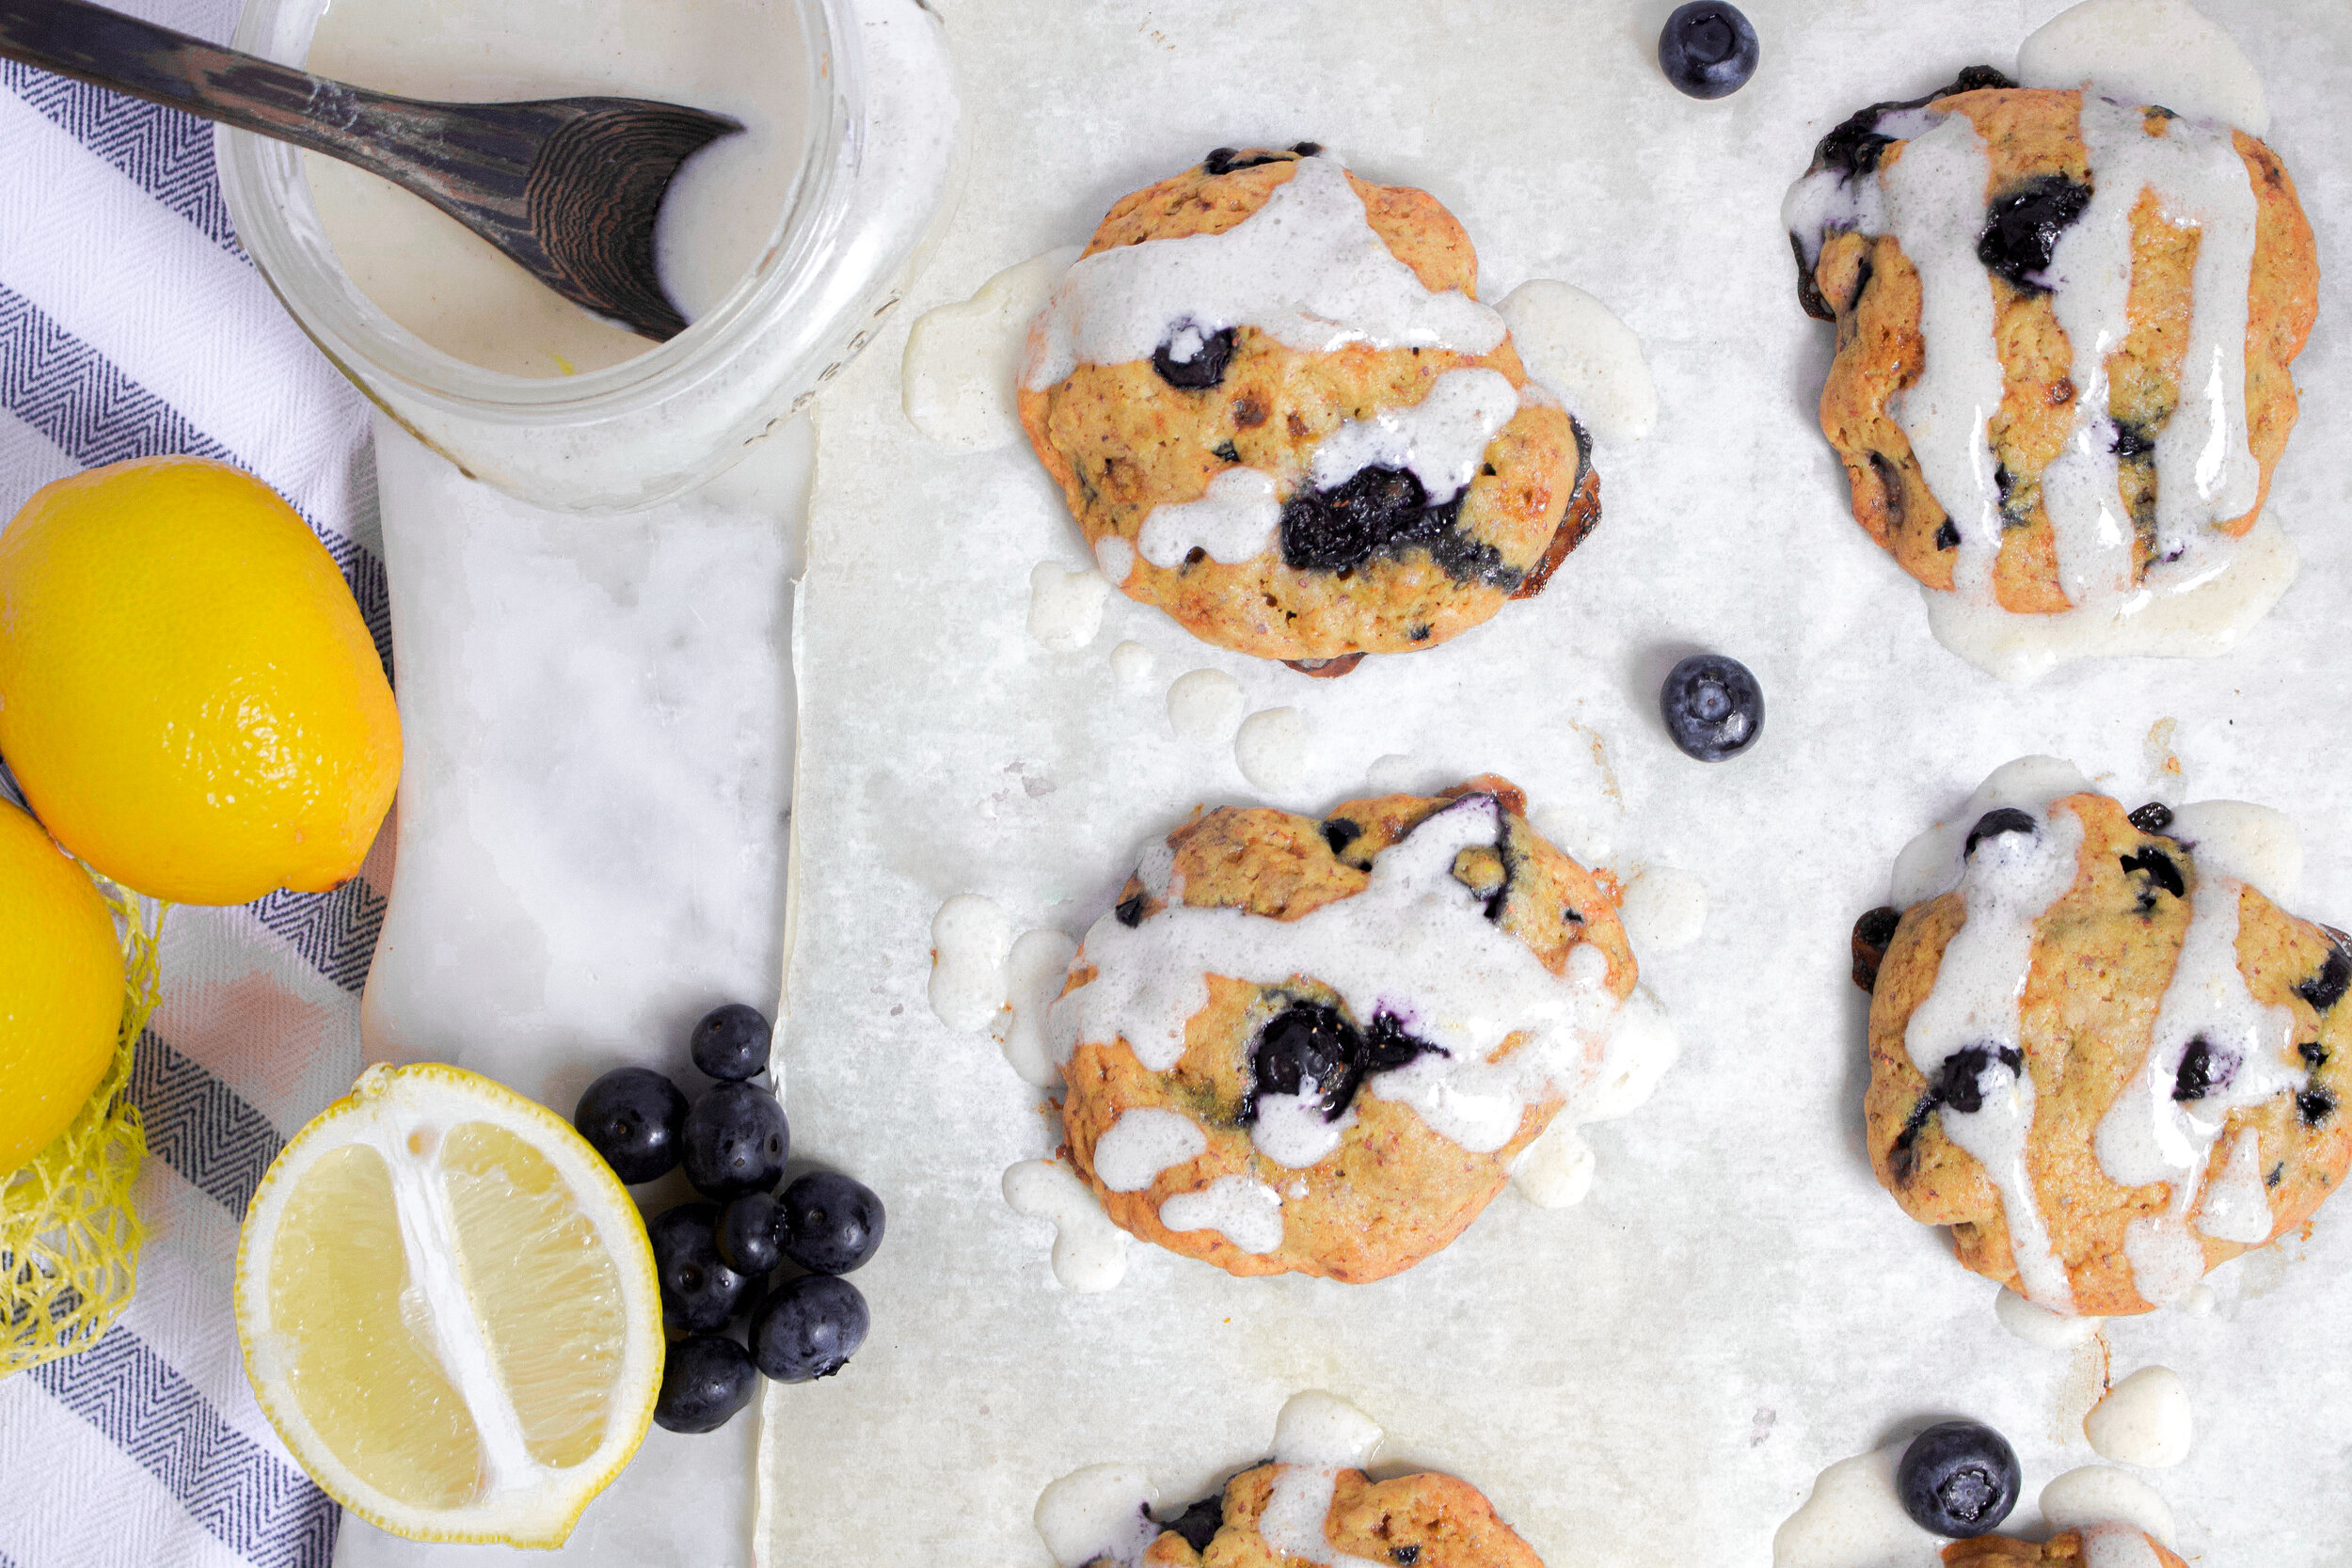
(1654, 1377)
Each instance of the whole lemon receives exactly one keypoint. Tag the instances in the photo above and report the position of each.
(61, 986)
(187, 693)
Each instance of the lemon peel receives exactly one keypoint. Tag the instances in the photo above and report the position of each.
(70, 1238)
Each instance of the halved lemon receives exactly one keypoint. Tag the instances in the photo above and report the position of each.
(448, 1309)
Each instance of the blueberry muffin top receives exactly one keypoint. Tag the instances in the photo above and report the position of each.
(1317, 1046)
(2064, 331)
(1279, 412)
(2107, 1063)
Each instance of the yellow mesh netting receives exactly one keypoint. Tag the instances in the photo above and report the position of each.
(69, 1238)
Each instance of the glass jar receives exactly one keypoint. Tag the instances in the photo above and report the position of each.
(870, 192)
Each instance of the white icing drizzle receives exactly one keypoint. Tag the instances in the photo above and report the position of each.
(1065, 607)
(2142, 1421)
(1289, 1129)
(1205, 705)
(1576, 348)
(2147, 1136)
(1273, 748)
(1555, 1171)
(1934, 197)
(1307, 268)
(2150, 52)
(1144, 1142)
(1103, 1510)
(1242, 1208)
(956, 380)
(1854, 1519)
(1234, 521)
(1439, 439)
(1415, 944)
(2097, 1494)
(1315, 1438)
(1090, 1252)
(1034, 972)
(2040, 1327)
(2253, 843)
(2111, 1544)
(1116, 557)
(2237, 1203)
(2006, 884)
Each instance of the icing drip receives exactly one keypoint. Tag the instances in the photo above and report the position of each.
(1234, 522)
(1143, 1143)
(2215, 1049)
(1315, 1438)
(1307, 268)
(1246, 1211)
(1102, 1511)
(2118, 1546)
(2009, 881)
(1415, 944)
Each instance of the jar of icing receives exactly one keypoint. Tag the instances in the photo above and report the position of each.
(784, 245)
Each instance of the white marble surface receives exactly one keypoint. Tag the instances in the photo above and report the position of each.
(598, 714)
(1654, 1377)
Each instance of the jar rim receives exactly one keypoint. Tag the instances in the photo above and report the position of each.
(270, 204)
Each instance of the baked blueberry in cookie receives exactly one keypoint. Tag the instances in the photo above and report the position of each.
(2065, 324)
(1318, 1045)
(2099, 1054)
(1278, 410)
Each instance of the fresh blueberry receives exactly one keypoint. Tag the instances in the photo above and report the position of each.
(1958, 1478)
(831, 1225)
(1708, 50)
(730, 1042)
(705, 1381)
(632, 1116)
(1713, 707)
(735, 1142)
(751, 1234)
(809, 1328)
(699, 1293)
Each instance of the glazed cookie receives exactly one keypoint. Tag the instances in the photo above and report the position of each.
(2108, 1545)
(1426, 1520)
(1279, 412)
(1318, 1046)
(2064, 332)
(2097, 1053)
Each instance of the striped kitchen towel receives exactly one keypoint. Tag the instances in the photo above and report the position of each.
(133, 324)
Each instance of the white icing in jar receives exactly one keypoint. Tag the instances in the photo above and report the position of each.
(869, 169)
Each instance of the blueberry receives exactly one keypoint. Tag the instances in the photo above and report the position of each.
(809, 1328)
(750, 1235)
(1192, 359)
(2159, 869)
(1871, 935)
(1311, 1042)
(730, 1042)
(2022, 225)
(1960, 1084)
(1200, 1522)
(831, 1225)
(631, 1116)
(1346, 525)
(699, 1293)
(2325, 988)
(735, 1142)
(1713, 707)
(2203, 1069)
(1708, 50)
(1997, 822)
(1958, 1478)
(2154, 817)
(705, 1381)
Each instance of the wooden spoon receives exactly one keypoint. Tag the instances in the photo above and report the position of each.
(568, 187)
